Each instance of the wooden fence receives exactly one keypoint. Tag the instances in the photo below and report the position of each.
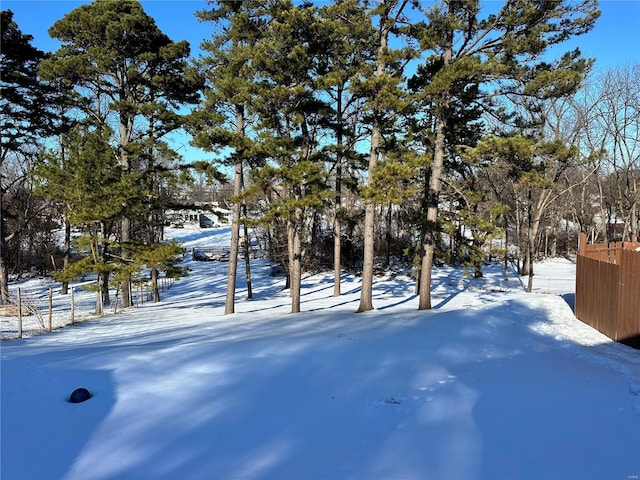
(608, 289)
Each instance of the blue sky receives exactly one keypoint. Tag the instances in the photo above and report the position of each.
(615, 40)
(174, 17)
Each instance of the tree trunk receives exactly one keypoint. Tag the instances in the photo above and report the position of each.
(125, 285)
(4, 277)
(106, 299)
(100, 283)
(535, 216)
(229, 306)
(432, 217)
(67, 253)
(337, 252)
(531, 240)
(4, 274)
(434, 191)
(99, 305)
(295, 266)
(366, 294)
(126, 130)
(605, 218)
(633, 214)
(337, 227)
(247, 255)
(154, 285)
(477, 266)
(388, 237)
(506, 248)
(518, 220)
(297, 273)
(103, 277)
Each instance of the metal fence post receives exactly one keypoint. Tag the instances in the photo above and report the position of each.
(73, 307)
(19, 314)
(50, 310)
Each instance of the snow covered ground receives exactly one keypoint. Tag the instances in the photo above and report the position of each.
(493, 383)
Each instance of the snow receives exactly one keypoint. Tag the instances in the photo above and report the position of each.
(493, 383)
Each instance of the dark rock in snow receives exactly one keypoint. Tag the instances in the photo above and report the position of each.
(79, 395)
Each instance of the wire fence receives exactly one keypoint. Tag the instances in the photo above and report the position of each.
(40, 307)
(217, 253)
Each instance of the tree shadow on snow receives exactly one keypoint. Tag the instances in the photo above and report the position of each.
(467, 393)
(444, 394)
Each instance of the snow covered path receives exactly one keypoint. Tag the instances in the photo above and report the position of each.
(488, 385)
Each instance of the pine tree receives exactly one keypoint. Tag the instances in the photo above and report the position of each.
(289, 112)
(501, 52)
(381, 81)
(160, 257)
(127, 74)
(27, 113)
(82, 178)
(221, 121)
(348, 43)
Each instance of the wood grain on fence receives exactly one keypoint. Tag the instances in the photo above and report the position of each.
(608, 288)
(597, 305)
(629, 295)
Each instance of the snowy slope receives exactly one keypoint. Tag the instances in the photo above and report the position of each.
(493, 383)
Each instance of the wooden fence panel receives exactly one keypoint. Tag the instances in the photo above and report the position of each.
(629, 295)
(596, 305)
(607, 252)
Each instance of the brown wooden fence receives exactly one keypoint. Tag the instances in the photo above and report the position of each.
(608, 289)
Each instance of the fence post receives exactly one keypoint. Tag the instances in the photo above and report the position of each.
(99, 307)
(115, 304)
(50, 310)
(582, 242)
(19, 314)
(73, 307)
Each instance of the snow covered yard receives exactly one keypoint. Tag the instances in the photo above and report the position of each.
(491, 384)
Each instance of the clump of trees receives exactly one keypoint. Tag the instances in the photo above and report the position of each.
(121, 83)
(353, 133)
(27, 114)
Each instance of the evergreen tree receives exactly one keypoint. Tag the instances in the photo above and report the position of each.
(532, 170)
(289, 111)
(381, 81)
(160, 257)
(130, 75)
(27, 104)
(348, 43)
(222, 119)
(502, 53)
(465, 125)
(84, 181)
(27, 113)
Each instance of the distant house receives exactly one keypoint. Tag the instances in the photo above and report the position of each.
(204, 218)
(615, 225)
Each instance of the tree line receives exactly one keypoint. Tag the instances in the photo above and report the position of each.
(352, 133)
